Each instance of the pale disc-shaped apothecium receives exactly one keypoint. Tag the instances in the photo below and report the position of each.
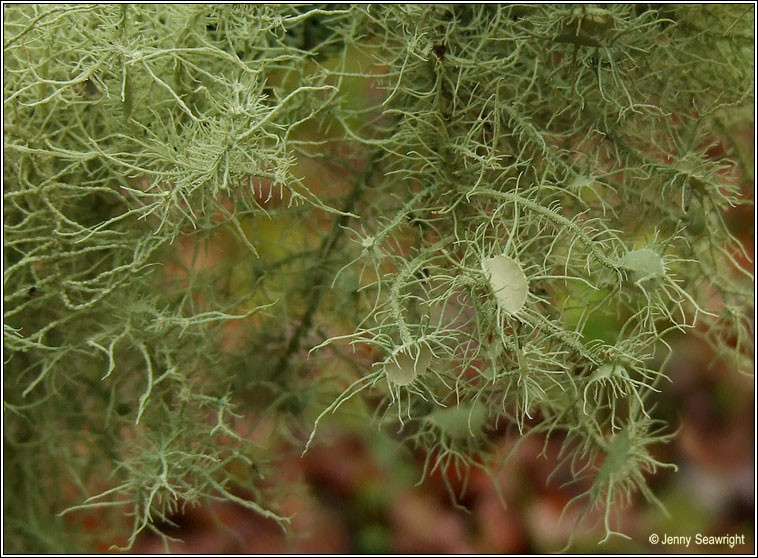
(643, 264)
(407, 365)
(508, 282)
(460, 421)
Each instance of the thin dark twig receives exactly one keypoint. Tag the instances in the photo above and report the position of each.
(320, 274)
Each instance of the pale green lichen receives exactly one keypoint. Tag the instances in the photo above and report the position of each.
(407, 365)
(182, 183)
(643, 264)
(508, 282)
(460, 421)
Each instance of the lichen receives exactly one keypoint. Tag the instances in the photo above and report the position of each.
(218, 214)
(508, 282)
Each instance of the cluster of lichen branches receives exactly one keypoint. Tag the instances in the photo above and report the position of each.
(528, 173)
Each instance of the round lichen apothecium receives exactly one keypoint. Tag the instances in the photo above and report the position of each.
(407, 364)
(460, 421)
(508, 282)
(643, 264)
